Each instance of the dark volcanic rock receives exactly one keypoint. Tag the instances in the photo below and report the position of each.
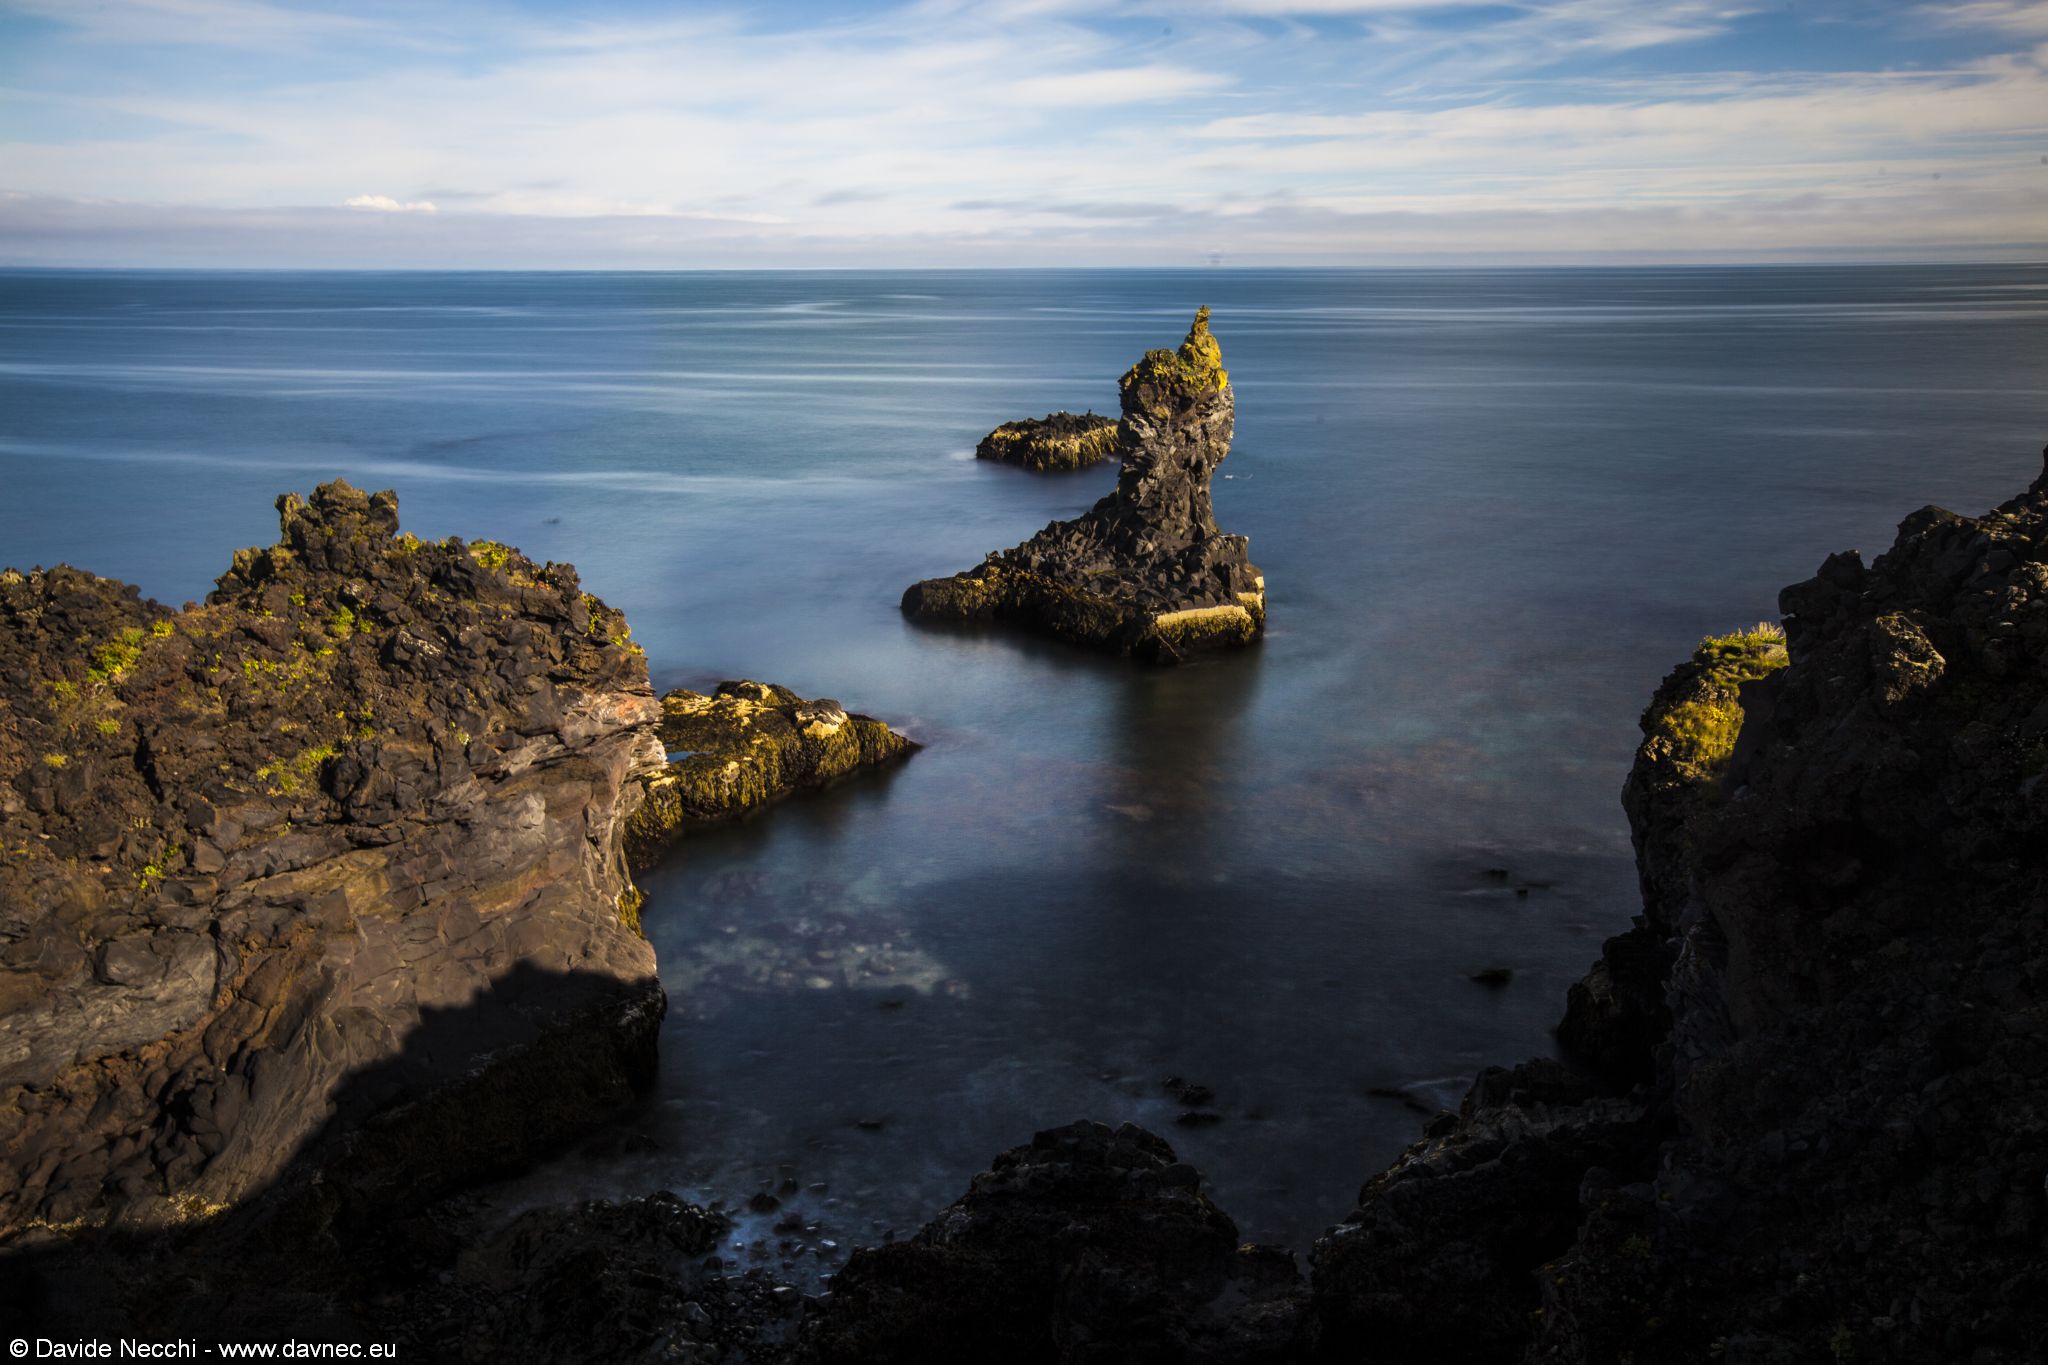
(1145, 571)
(254, 847)
(1058, 441)
(1087, 1245)
(1832, 1014)
(1436, 1262)
(746, 745)
(600, 1283)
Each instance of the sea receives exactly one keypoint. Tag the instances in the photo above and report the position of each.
(1493, 508)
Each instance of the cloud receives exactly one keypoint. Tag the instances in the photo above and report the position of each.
(1109, 86)
(1022, 131)
(2022, 18)
(246, 24)
(384, 203)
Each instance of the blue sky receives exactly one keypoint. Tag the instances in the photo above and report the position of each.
(1019, 132)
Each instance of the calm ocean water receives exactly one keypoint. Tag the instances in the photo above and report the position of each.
(1493, 507)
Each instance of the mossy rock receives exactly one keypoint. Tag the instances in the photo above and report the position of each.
(742, 747)
(1059, 441)
(1692, 724)
(1163, 382)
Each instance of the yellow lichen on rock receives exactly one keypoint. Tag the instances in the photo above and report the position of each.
(1693, 724)
(744, 745)
(1197, 367)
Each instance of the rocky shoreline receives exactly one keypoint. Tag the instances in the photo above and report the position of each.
(1802, 1115)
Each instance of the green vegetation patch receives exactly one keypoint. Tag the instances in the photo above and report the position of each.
(1697, 716)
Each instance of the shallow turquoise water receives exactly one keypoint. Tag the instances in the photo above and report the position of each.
(1492, 506)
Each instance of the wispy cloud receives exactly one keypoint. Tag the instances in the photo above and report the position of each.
(2022, 18)
(384, 203)
(1029, 131)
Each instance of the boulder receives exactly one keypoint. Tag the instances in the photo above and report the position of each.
(1086, 1245)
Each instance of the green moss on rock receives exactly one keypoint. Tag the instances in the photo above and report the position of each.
(745, 745)
(1692, 724)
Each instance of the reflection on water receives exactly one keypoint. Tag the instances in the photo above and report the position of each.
(1493, 507)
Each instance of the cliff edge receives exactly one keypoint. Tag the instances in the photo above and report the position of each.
(1814, 1120)
(254, 847)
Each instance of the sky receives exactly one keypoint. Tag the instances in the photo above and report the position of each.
(473, 134)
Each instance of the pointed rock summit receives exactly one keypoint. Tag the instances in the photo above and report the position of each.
(1144, 572)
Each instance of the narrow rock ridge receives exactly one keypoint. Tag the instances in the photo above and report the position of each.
(1057, 441)
(745, 746)
(1145, 572)
(374, 786)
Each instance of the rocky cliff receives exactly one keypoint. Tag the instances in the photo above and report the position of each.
(1057, 441)
(371, 793)
(1145, 571)
(1816, 1121)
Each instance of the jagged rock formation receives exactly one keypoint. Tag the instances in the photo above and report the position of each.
(373, 786)
(1058, 441)
(1822, 1134)
(596, 1284)
(1145, 571)
(1085, 1245)
(746, 745)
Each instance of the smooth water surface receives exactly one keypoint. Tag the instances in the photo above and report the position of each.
(1493, 507)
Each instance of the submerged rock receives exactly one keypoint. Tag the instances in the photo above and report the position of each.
(1057, 441)
(1144, 572)
(342, 843)
(744, 746)
(1816, 1117)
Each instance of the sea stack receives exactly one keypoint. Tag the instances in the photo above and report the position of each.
(1145, 572)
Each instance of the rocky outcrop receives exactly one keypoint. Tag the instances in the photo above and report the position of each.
(1058, 441)
(602, 1283)
(1436, 1262)
(744, 746)
(330, 867)
(1617, 1016)
(1086, 1245)
(1822, 1135)
(1145, 572)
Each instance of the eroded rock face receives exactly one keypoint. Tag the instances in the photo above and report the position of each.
(1835, 1139)
(743, 747)
(1086, 1245)
(341, 844)
(1145, 571)
(1057, 441)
